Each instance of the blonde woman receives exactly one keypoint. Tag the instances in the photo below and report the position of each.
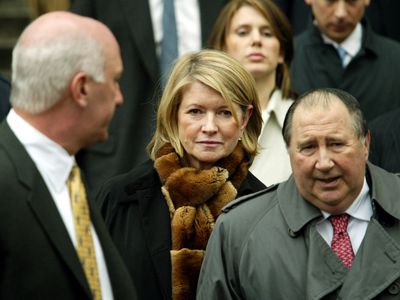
(161, 214)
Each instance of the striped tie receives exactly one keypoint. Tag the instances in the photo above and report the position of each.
(85, 247)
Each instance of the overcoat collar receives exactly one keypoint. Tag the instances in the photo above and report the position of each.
(295, 209)
(298, 212)
(368, 43)
(379, 251)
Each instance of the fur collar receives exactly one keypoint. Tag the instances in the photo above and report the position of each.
(195, 199)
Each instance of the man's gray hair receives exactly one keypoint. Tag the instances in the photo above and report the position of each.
(42, 71)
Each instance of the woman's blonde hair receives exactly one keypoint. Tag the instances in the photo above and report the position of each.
(280, 27)
(220, 72)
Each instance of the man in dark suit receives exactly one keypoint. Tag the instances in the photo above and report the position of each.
(133, 124)
(64, 93)
(4, 98)
(381, 14)
(341, 50)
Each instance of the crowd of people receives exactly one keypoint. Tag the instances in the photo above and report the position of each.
(254, 163)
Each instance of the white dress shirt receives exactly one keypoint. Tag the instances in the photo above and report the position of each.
(54, 165)
(352, 44)
(272, 165)
(187, 15)
(360, 213)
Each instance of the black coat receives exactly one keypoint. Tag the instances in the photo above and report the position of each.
(134, 122)
(137, 216)
(385, 141)
(381, 14)
(37, 257)
(371, 76)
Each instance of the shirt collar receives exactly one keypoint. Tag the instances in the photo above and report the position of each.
(352, 44)
(361, 208)
(278, 106)
(53, 161)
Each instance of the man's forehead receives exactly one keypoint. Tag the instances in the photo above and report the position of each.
(320, 117)
(319, 103)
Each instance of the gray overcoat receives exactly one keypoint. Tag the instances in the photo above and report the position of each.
(265, 246)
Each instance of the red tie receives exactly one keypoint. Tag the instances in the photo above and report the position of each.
(341, 244)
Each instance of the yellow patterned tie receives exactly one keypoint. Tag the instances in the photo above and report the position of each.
(85, 247)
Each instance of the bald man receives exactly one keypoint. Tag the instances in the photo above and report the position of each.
(65, 90)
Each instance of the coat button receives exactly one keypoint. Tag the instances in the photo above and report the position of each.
(394, 289)
(292, 233)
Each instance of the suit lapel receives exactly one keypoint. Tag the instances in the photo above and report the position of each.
(157, 234)
(42, 204)
(47, 214)
(137, 14)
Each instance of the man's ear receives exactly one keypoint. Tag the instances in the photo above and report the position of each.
(308, 2)
(79, 89)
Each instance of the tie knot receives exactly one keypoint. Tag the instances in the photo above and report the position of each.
(341, 51)
(75, 172)
(339, 223)
(74, 169)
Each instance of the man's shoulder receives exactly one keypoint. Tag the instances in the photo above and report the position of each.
(387, 121)
(385, 189)
(382, 45)
(10, 147)
(123, 188)
(257, 195)
(244, 215)
(139, 177)
(309, 36)
(246, 210)
(388, 179)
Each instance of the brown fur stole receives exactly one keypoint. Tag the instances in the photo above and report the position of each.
(195, 199)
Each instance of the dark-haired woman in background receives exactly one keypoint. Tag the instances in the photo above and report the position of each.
(258, 35)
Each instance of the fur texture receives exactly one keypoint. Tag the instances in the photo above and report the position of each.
(195, 199)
